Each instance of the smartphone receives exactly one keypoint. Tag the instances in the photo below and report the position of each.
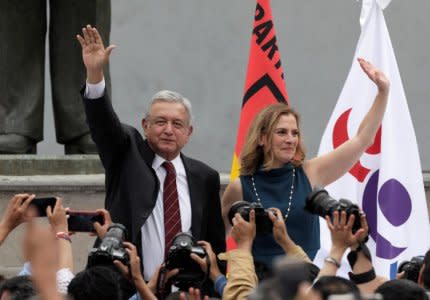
(82, 221)
(42, 203)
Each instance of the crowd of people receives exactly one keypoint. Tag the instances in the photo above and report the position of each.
(48, 272)
(164, 228)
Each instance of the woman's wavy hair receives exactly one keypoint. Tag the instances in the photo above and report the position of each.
(264, 125)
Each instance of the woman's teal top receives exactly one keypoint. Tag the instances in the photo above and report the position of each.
(273, 188)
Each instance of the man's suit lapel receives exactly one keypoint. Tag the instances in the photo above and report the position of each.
(196, 187)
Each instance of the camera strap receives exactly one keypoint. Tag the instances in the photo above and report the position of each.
(363, 277)
(352, 255)
(161, 286)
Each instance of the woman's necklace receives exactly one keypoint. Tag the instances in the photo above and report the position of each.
(290, 198)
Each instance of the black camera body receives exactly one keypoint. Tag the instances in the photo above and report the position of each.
(190, 274)
(110, 248)
(411, 268)
(262, 221)
(319, 202)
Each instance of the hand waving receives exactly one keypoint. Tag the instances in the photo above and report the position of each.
(94, 54)
(376, 75)
(341, 230)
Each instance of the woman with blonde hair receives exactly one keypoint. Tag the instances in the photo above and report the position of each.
(274, 171)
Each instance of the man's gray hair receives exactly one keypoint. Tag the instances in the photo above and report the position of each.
(172, 97)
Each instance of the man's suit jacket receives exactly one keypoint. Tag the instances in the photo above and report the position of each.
(132, 185)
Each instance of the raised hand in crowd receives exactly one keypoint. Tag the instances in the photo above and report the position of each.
(243, 232)
(107, 221)
(58, 219)
(242, 278)
(280, 229)
(133, 274)
(281, 236)
(342, 238)
(214, 271)
(341, 233)
(44, 257)
(16, 213)
(362, 271)
(94, 54)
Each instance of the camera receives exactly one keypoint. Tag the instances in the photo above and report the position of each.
(178, 256)
(411, 268)
(110, 248)
(262, 221)
(320, 203)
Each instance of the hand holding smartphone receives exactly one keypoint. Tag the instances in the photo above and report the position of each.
(83, 221)
(40, 204)
(78, 220)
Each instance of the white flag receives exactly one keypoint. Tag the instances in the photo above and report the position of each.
(387, 181)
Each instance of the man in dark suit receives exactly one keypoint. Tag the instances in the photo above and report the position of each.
(135, 174)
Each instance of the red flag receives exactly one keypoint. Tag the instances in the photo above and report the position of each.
(264, 83)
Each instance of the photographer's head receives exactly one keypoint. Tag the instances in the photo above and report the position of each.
(411, 269)
(424, 276)
(18, 287)
(401, 289)
(333, 285)
(99, 282)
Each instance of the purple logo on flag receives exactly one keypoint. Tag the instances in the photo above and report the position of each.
(396, 206)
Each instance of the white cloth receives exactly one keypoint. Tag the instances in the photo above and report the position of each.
(94, 91)
(389, 184)
(64, 276)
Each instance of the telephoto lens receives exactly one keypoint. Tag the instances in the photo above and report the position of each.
(319, 202)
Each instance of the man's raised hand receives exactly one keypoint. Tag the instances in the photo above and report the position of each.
(94, 54)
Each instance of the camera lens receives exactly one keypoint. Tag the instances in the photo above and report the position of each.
(241, 207)
(319, 202)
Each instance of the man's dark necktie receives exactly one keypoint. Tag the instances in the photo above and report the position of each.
(172, 214)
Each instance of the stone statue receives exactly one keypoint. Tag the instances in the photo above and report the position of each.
(23, 28)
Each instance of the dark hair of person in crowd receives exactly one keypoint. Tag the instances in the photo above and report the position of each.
(334, 285)
(95, 283)
(401, 289)
(17, 288)
(426, 271)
